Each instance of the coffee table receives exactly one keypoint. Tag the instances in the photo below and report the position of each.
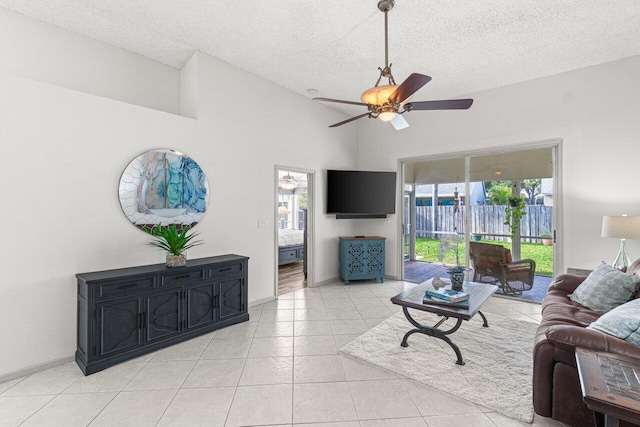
(479, 293)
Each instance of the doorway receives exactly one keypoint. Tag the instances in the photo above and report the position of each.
(294, 222)
(470, 198)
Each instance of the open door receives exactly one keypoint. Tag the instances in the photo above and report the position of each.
(293, 229)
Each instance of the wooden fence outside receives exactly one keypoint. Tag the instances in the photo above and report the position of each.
(487, 221)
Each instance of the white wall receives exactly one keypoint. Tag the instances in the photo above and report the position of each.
(247, 126)
(43, 52)
(594, 111)
(63, 155)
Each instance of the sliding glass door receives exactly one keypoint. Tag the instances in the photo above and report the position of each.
(503, 199)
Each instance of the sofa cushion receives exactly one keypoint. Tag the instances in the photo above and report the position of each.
(566, 283)
(622, 322)
(558, 309)
(605, 289)
(634, 269)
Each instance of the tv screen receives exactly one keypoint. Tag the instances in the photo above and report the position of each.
(361, 192)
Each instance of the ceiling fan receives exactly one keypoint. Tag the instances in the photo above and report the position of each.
(288, 182)
(389, 102)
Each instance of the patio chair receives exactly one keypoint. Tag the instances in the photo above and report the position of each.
(493, 264)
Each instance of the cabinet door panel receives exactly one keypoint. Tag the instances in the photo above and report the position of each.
(231, 297)
(356, 254)
(119, 326)
(375, 255)
(163, 314)
(201, 309)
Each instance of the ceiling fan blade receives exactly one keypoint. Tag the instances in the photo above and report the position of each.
(450, 104)
(349, 120)
(410, 86)
(339, 101)
(399, 122)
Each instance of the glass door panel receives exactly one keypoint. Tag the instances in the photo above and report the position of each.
(434, 211)
(513, 182)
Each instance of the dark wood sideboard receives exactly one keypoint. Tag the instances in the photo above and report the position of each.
(128, 312)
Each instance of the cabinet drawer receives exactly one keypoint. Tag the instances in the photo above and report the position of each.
(126, 286)
(179, 278)
(288, 254)
(225, 270)
(301, 253)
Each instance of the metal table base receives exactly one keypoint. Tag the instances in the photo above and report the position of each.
(434, 331)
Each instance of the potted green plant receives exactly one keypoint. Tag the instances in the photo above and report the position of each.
(547, 238)
(456, 272)
(514, 212)
(174, 242)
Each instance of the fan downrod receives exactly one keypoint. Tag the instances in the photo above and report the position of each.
(386, 5)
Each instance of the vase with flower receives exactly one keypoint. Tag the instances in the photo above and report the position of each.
(451, 242)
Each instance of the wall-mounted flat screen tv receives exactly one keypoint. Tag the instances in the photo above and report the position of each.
(361, 194)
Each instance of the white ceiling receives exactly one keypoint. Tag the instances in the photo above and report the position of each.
(336, 46)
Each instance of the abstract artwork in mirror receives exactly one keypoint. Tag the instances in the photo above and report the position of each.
(163, 187)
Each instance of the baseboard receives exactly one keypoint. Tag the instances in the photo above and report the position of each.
(326, 282)
(36, 368)
(337, 279)
(261, 301)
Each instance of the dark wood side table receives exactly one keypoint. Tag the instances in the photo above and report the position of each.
(610, 385)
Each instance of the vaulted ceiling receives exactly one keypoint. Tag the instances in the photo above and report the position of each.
(333, 48)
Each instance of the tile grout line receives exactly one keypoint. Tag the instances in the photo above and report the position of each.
(183, 381)
(38, 410)
(244, 364)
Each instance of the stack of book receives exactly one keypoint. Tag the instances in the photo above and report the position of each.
(447, 297)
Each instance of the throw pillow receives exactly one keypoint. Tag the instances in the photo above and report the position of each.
(622, 322)
(605, 289)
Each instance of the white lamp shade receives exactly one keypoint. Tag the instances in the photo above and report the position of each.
(621, 227)
(282, 210)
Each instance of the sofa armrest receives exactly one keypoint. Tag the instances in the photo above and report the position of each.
(568, 337)
(566, 282)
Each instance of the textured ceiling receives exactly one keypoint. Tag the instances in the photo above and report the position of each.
(336, 46)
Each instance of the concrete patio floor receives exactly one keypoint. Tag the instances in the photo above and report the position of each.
(420, 271)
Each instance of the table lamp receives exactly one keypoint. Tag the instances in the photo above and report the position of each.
(621, 227)
(282, 211)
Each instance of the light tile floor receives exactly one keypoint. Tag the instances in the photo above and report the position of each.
(283, 367)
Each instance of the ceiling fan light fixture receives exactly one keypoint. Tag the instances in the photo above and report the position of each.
(288, 182)
(387, 116)
(389, 102)
(378, 95)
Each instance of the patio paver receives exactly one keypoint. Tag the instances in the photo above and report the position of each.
(420, 271)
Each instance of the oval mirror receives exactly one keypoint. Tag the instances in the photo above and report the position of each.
(163, 187)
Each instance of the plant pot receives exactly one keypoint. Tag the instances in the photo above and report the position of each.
(457, 279)
(176, 260)
(476, 237)
(547, 242)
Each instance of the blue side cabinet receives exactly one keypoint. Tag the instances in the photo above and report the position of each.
(361, 258)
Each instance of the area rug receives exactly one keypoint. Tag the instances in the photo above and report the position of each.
(498, 362)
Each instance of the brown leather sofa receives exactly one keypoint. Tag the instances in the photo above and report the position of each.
(556, 385)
